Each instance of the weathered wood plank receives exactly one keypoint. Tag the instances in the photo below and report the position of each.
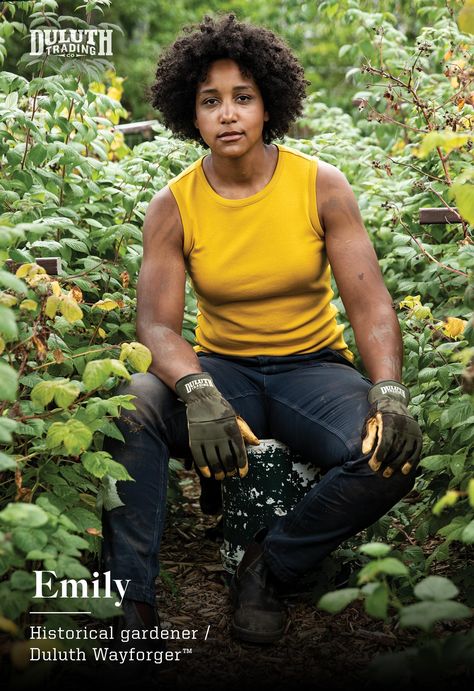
(135, 127)
(442, 215)
(52, 265)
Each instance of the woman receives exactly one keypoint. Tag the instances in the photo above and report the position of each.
(257, 226)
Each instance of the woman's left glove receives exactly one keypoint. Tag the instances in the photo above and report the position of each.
(390, 432)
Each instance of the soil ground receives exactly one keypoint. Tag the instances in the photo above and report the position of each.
(318, 650)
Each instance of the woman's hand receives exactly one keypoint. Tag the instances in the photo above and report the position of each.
(215, 437)
(390, 432)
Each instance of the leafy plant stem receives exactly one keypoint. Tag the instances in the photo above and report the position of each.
(430, 256)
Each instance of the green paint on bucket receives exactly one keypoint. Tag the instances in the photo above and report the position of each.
(277, 480)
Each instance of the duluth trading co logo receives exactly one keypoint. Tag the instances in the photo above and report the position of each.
(71, 43)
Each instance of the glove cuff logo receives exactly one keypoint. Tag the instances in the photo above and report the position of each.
(393, 389)
(390, 388)
(198, 384)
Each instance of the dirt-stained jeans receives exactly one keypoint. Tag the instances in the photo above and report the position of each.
(314, 403)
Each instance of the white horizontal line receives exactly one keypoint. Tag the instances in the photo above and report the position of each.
(80, 612)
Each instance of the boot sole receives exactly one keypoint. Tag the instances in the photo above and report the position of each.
(251, 636)
(254, 637)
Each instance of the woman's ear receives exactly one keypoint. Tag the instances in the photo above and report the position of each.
(266, 116)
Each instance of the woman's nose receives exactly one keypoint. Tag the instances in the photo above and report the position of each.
(227, 111)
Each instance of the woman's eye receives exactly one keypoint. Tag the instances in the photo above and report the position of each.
(210, 101)
(244, 97)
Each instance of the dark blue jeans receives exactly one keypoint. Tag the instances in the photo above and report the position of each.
(314, 403)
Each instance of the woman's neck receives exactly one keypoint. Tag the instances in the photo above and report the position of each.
(236, 178)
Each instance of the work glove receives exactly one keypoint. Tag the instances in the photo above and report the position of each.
(215, 432)
(390, 432)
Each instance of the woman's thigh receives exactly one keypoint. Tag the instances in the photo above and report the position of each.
(318, 410)
(242, 387)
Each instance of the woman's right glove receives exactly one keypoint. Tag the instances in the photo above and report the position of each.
(215, 431)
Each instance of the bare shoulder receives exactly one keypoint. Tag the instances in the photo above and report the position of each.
(162, 220)
(160, 286)
(330, 179)
(334, 195)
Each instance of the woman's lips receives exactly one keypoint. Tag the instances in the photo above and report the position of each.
(230, 137)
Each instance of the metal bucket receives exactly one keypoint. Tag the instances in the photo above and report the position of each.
(276, 481)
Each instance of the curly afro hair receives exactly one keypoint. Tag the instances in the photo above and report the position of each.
(258, 52)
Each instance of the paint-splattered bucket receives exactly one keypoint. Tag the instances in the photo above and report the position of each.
(276, 481)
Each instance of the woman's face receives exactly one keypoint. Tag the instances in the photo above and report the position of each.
(229, 110)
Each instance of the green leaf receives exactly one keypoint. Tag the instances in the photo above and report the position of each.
(21, 514)
(10, 236)
(375, 549)
(72, 568)
(460, 411)
(137, 354)
(454, 528)
(413, 553)
(464, 196)
(83, 519)
(70, 309)
(43, 393)
(336, 601)
(467, 534)
(52, 304)
(110, 430)
(448, 499)
(8, 382)
(67, 542)
(37, 554)
(22, 580)
(435, 588)
(8, 327)
(107, 496)
(9, 280)
(437, 462)
(77, 245)
(7, 427)
(457, 464)
(100, 463)
(119, 369)
(28, 539)
(466, 19)
(37, 154)
(446, 139)
(75, 436)
(389, 565)
(96, 373)
(424, 615)
(51, 503)
(66, 393)
(377, 602)
(470, 492)
(14, 602)
(6, 462)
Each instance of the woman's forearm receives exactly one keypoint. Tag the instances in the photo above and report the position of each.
(379, 341)
(173, 357)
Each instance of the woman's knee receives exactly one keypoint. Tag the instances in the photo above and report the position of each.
(149, 395)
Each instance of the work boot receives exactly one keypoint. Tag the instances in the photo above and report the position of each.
(138, 616)
(259, 616)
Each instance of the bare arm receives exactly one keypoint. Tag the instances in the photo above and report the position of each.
(356, 270)
(160, 292)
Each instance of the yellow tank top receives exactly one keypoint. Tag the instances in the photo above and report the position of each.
(258, 265)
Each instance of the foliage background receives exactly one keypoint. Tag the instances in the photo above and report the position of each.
(391, 104)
